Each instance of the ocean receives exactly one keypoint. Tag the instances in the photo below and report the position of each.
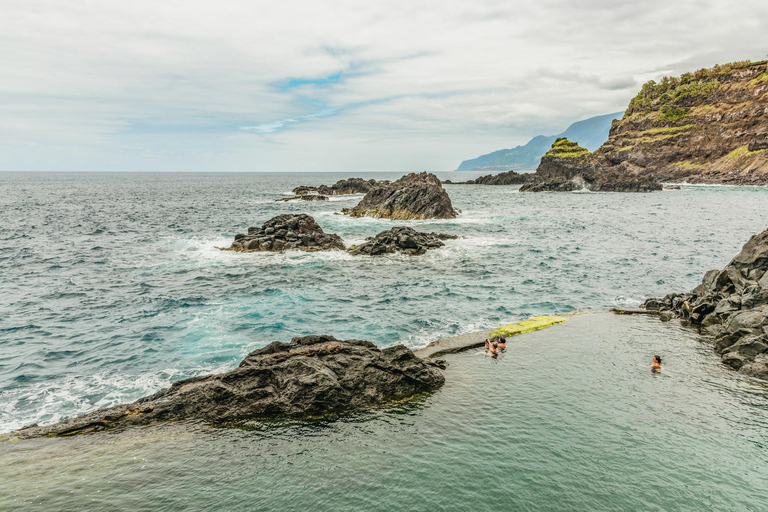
(113, 288)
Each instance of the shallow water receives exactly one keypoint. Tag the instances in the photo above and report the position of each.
(112, 287)
(564, 420)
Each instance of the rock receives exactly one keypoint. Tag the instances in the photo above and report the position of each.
(731, 305)
(757, 368)
(308, 376)
(415, 196)
(343, 187)
(401, 239)
(304, 197)
(504, 178)
(671, 187)
(709, 126)
(567, 168)
(287, 232)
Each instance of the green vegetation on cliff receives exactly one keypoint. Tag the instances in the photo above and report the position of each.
(672, 96)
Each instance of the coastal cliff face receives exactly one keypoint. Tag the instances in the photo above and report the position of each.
(309, 375)
(731, 305)
(710, 126)
(414, 196)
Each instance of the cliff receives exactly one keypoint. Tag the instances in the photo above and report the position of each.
(710, 126)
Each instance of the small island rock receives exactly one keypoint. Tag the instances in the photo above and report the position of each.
(414, 196)
(287, 232)
(401, 239)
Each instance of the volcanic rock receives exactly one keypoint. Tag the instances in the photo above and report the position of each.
(401, 239)
(308, 376)
(731, 305)
(305, 197)
(710, 126)
(567, 168)
(343, 187)
(287, 232)
(415, 196)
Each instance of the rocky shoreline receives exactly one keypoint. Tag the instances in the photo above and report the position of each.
(342, 187)
(731, 306)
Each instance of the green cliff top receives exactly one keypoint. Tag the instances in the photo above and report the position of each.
(564, 148)
(671, 96)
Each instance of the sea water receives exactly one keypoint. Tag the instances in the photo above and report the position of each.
(112, 288)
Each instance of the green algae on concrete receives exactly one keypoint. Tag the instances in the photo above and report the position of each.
(477, 339)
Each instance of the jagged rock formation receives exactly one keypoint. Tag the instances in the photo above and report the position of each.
(710, 126)
(414, 196)
(310, 375)
(342, 187)
(285, 233)
(305, 197)
(567, 167)
(401, 239)
(732, 306)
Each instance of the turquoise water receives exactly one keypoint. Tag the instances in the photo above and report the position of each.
(112, 287)
(565, 420)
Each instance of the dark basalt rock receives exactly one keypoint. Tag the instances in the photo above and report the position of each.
(305, 197)
(504, 178)
(567, 167)
(731, 305)
(343, 187)
(415, 196)
(401, 239)
(310, 375)
(285, 233)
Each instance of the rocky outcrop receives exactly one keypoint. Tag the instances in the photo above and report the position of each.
(415, 196)
(401, 239)
(305, 197)
(310, 375)
(505, 178)
(710, 126)
(342, 187)
(287, 232)
(732, 306)
(567, 167)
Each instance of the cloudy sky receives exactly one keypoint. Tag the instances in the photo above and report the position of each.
(288, 85)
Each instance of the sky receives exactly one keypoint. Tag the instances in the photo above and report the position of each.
(333, 85)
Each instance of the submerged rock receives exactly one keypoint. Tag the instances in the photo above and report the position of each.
(310, 375)
(343, 187)
(414, 196)
(732, 306)
(401, 239)
(305, 197)
(287, 232)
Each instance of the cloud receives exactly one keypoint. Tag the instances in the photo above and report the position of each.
(337, 85)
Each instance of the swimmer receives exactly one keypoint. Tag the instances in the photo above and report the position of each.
(502, 343)
(655, 364)
(494, 349)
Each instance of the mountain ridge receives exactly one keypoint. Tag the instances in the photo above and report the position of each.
(590, 133)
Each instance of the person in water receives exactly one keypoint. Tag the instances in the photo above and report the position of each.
(494, 349)
(655, 364)
(487, 345)
(502, 343)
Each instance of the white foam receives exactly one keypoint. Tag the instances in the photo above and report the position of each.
(65, 398)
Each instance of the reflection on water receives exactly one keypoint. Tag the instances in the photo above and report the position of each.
(565, 419)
